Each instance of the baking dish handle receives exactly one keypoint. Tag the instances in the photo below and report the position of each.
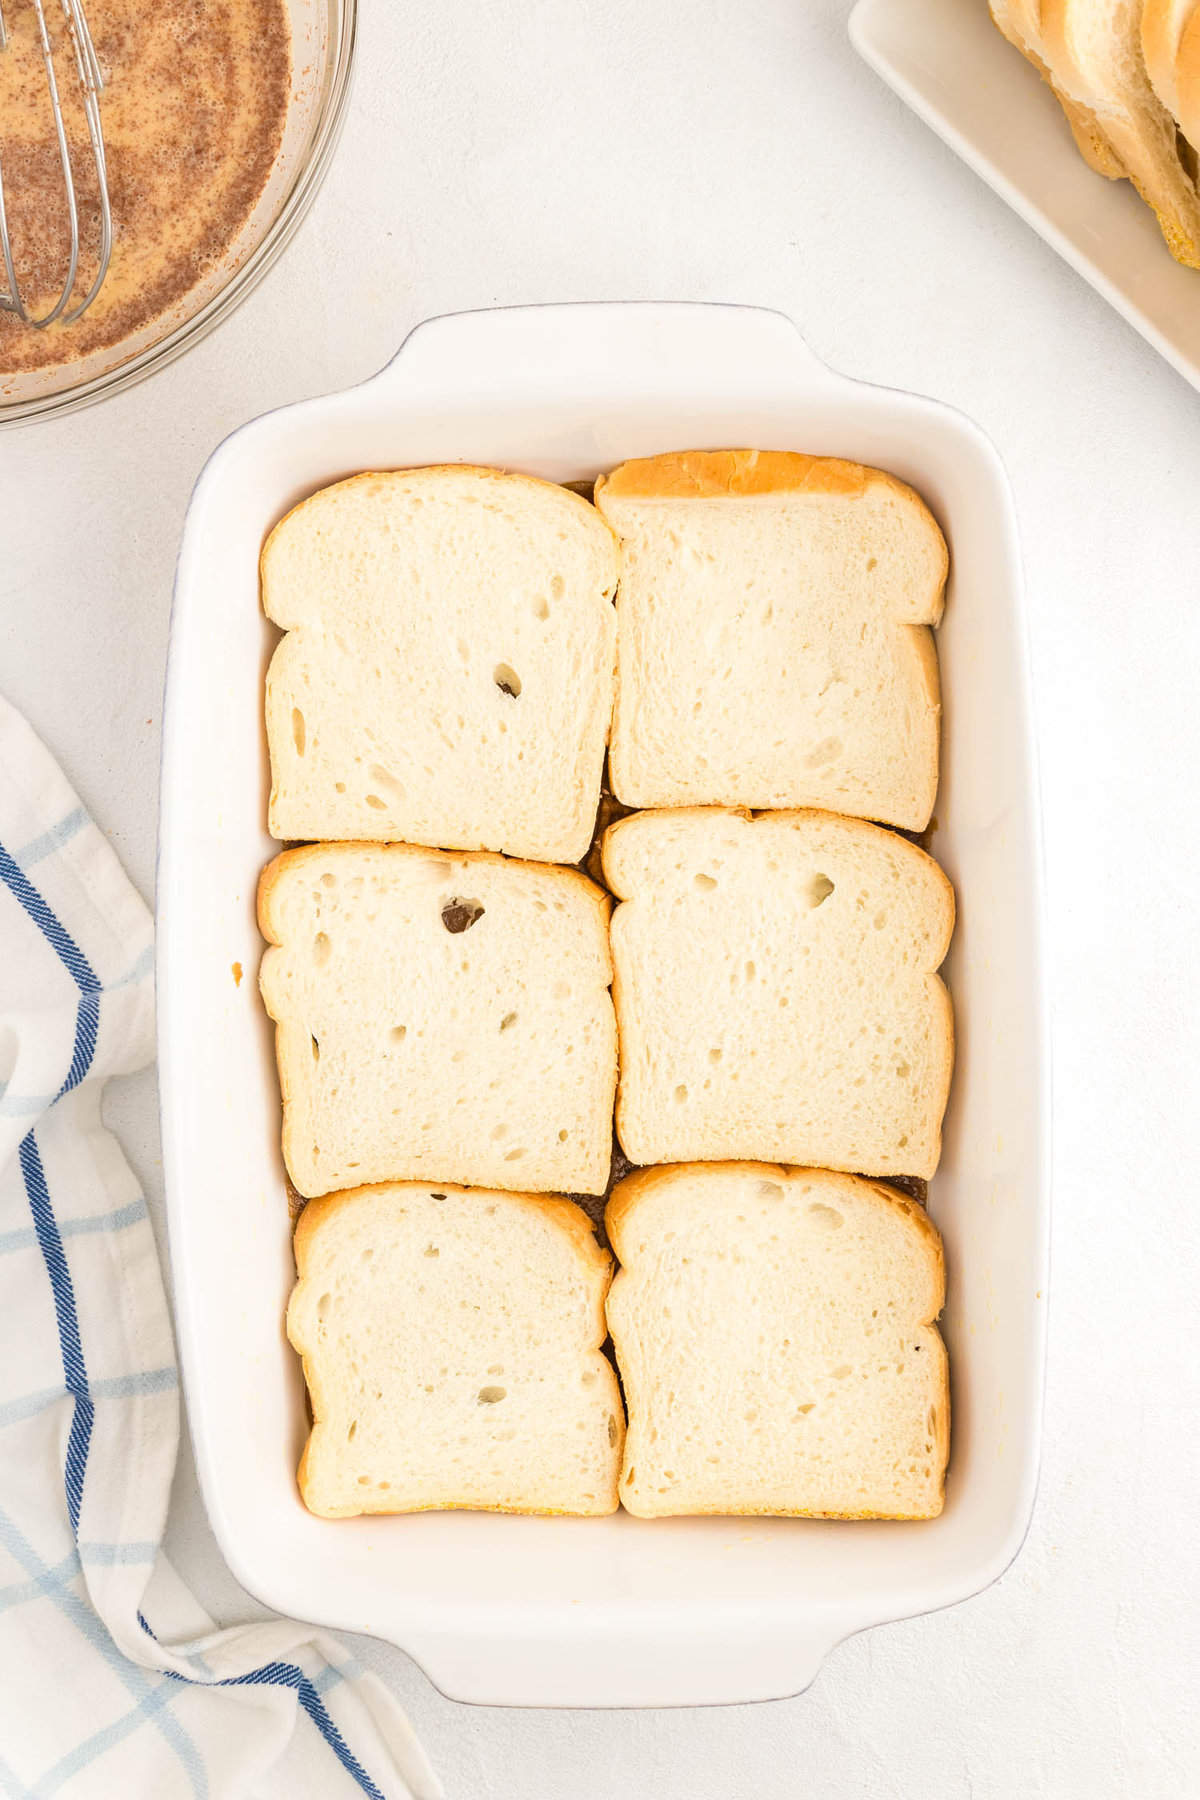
(726, 1657)
(545, 351)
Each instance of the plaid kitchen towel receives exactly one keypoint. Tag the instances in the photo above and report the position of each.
(114, 1684)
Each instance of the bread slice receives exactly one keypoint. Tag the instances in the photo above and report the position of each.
(773, 645)
(1162, 28)
(776, 991)
(774, 1329)
(451, 1344)
(439, 1017)
(1187, 74)
(447, 677)
(1094, 51)
(1020, 22)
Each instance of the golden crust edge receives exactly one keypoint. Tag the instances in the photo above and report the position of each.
(751, 474)
(781, 1512)
(1085, 128)
(1161, 51)
(1187, 80)
(1181, 237)
(735, 475)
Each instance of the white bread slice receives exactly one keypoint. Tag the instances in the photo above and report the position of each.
(451, 1344)
(1020, 21)
(439, 1017)
(773, 644)
(1094, 51)
(774, 1332)
(447, 677)
(776, 993)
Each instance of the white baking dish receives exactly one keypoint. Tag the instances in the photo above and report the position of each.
(612, 1612)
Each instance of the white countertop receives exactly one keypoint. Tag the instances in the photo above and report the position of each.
(736, 150)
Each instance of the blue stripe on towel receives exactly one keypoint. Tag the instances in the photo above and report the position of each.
(24, 1106)
(44, 1223)
(109, 1387)
(140, 1381)
(117, 1555)
(288, 1675)
(87, 1029)
(25, 1236)
(55, 934)
(54, 839)
(74, 1369)
(280, 1674)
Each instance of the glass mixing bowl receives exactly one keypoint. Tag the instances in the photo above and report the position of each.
(323, 36)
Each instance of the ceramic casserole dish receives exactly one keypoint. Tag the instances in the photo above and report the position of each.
(616, 1611)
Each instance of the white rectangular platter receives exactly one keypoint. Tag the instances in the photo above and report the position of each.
(948, 62)
(619, 1611)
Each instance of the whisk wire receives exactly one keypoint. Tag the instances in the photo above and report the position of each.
(91, 80)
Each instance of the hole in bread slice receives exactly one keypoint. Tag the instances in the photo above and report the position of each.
(459, 915)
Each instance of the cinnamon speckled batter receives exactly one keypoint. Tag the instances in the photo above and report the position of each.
(193, 113)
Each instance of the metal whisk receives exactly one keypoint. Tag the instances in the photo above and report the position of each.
(91, 82)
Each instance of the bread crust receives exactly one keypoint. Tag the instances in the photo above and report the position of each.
(929, 675)
(610, 847)
(296, 858)
(732, 475)
(619, 1218)
(324, 1213)
(1187, 79)
(1162, 182)
(640, 1184)
(1163, 23)
(1020, 22)
(754, 474)
(435, 471)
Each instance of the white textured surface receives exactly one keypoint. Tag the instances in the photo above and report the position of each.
(739, 151)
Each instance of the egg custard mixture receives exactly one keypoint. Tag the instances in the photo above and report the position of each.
(193, 110)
